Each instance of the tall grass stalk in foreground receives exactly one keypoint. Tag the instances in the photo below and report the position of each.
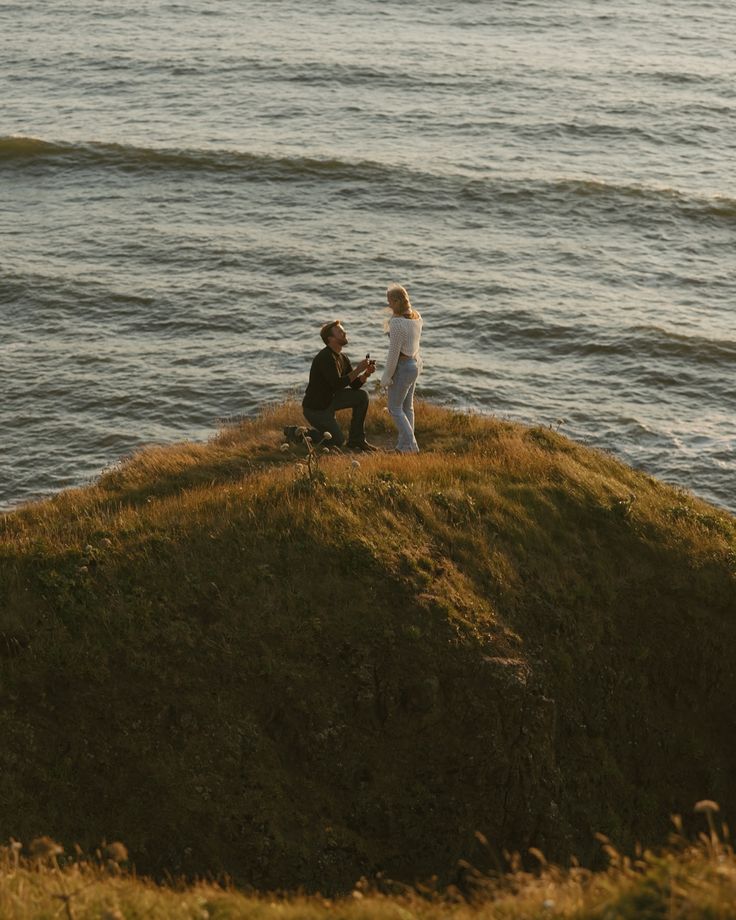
(689, 880)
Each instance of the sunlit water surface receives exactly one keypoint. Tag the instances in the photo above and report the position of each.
(189, 190)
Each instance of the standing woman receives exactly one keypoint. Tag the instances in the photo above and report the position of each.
(402, 365)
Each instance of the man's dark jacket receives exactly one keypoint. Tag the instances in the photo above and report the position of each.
(328, 375)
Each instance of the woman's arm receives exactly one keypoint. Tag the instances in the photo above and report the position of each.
(395, 338)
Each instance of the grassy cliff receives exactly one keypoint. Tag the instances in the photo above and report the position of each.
(232, 668)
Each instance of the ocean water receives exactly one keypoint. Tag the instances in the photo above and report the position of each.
(189, 189)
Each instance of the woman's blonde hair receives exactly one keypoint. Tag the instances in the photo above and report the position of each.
(398, 298)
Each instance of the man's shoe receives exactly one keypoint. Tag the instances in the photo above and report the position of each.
(363, 446)
(294, 434)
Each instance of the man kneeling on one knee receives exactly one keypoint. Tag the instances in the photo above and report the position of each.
(333, 385)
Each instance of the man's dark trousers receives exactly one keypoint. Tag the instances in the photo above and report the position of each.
(323, 420)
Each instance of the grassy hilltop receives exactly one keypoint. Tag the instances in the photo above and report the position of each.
(233, 669)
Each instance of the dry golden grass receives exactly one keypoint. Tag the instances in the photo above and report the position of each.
(501, 463)
(685, 882)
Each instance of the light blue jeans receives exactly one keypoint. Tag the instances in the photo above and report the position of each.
(401, 404)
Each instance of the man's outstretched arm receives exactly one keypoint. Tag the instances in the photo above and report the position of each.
(328, 370)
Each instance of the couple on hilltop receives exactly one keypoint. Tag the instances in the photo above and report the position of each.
(335, 384)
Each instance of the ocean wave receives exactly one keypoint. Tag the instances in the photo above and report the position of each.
(716, 206)
(317, 73)
(603, 130)
(438, 189)
(274, 70)
(677, 77)
(54, 301)
(528, 333)
(22, 151)
(695, 349)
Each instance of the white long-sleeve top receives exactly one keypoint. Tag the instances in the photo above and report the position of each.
(403, 338)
